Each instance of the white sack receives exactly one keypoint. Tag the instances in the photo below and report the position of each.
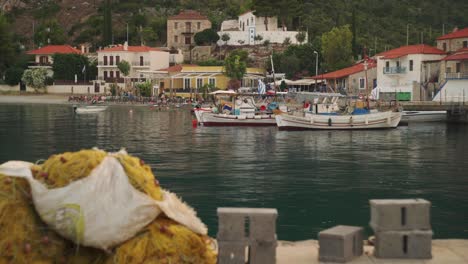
(103, 209)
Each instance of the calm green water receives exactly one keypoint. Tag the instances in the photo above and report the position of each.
(316, 179)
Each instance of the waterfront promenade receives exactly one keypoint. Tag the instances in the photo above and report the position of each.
(444, 251)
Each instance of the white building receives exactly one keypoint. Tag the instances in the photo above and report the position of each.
(404, 72)
(243, 30)
(140, 58)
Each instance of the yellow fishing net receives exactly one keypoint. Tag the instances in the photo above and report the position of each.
(164, 241)
(24, 238)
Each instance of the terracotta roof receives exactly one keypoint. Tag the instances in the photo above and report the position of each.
(52, 49)
(189, 15)
(461, 54)
(130, 49)
(462, 33)
(346, 71)
(412, 49)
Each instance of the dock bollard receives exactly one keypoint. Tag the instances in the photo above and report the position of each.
(251, 229)
(340, 243)
(402, 228)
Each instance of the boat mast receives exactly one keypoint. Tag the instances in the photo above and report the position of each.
(367, 86)
(273, 71)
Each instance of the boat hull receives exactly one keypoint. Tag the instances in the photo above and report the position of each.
(90, 109)
(212, 119)
(381, 120)
(424, 116)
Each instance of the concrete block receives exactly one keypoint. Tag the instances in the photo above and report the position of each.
(340, 243)
(403, 214)
(253, 224)
(263, 226)
(416, 244)
(262, 252)
(231, 252)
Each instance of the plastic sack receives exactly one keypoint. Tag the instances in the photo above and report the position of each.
(102, 209)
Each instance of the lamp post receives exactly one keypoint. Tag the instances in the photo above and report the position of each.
(316, 68)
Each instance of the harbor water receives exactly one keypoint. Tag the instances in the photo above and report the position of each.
(316, 179)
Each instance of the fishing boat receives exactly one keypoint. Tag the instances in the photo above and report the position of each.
(238, 110)
(423, 116)
(89, 109)
(336, 121)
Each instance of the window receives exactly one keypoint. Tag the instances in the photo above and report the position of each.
(387, 64)
(465, 44)
(176, 39)
(117, 74)
(105, 75)
(141, 60)
(188, 40)
(247, 22)
(251, 20)
(212, 82)
(176, 25)
(448, 70)
(188, 27)
(111, 74)
(444, 46)
(411, 65)
(111, 60)
(362, 83)
(117, 59)
(199, 83)
(398, 64)
(105, 60)
(44, 60)
(198, 25)
(186, 83)
(457, 67)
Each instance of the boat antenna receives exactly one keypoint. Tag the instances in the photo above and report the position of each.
(273, 71)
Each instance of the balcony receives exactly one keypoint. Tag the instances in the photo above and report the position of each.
(456, 75)
(140, 64)
(394, 70)
(101, 63)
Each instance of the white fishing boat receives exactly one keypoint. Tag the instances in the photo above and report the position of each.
(236, 111)
(424, 116)
(89, 109)
(372, 120)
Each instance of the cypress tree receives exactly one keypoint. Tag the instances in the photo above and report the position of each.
(107, 31)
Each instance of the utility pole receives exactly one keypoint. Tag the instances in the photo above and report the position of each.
(407, 34)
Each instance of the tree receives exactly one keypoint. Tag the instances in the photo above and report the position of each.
(258, 38)
(235, 66)
(337, 48)
(148, 36)
(206, 37)
(107, 30)
(13, 75)
(67, 65)
(287, 41)
(144, 89)
(49, 32)
(7, 49)
(36, 78)
(265, 8)
(225, 37)
(124, 67)
(301, 36)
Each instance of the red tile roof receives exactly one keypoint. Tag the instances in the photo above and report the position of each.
(462, 33)
(130, 49)
(412, 49)
(346, 71)
(189, 15)
(461, 54)
(52, 49)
